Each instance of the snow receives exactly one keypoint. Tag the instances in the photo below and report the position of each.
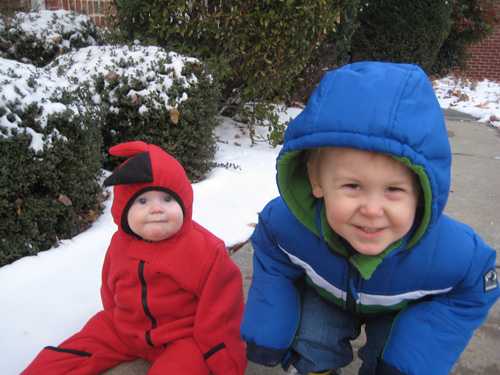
(46, 298)
(51, 25)
(24, 84)
(480, 99)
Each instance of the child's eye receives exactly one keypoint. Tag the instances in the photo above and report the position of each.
(167, 198)
(351, 186)
(141, 200)
(395, 189)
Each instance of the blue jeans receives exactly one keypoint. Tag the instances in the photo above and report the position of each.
(323, 340)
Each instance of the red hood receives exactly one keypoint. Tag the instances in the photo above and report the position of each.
(147, 166)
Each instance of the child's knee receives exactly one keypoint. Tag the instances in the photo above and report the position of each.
(180, 357)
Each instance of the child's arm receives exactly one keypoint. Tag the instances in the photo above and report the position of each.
(218, 317)
(106, 294)
(428, 337)
(272, 312)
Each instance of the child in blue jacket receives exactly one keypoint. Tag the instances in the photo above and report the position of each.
(358, 235)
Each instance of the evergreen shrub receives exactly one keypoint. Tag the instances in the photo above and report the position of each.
(472, 21)
(38, 37)
(49, 162)
(259, 47)
(148, 94)
(411, 31)
(333, 52)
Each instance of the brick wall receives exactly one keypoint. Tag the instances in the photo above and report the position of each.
(484, 62)
(14, 5)
(97, 9)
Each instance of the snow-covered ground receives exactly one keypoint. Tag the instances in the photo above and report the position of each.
(480, 99)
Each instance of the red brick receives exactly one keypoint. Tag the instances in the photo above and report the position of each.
(90, 7)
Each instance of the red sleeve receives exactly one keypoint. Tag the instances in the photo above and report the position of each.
(106, 293)
(218, 317)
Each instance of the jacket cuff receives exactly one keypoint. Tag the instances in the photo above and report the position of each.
(219, 361)
(264, 356)
(383, 368)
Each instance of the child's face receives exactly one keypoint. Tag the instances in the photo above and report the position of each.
(370, 198)
(155, 216)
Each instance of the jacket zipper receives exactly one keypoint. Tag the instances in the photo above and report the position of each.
(144, 299)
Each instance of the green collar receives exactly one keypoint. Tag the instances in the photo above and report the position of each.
(365, 264)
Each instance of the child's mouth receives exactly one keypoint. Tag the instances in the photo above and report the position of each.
(369, 230)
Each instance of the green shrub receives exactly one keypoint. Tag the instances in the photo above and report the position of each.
(259, 47)
(38, 37)
(402, 30)
(472, 21)
(333, 52)
(145, 93)
(49, 162)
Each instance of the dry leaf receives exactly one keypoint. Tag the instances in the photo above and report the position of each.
(111, 76)
(91, 216)
(64, 199)
(174, 116)
(482, 105)
(135, 99)
(57, 39)
(18, 203)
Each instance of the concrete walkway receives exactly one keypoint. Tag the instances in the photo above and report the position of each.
(475, 200)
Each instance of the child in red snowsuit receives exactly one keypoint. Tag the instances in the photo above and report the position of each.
(170, 292)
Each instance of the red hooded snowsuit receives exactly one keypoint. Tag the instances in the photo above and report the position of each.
(177, 303)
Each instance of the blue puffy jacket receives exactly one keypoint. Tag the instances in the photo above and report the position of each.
(440, 277)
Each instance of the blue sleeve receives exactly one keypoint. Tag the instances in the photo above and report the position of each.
(272, 311)
(429, 336)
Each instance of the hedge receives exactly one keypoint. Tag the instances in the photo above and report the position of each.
(410, 31)
(57, 122)
(50, 163)
(38, 37)
(149, 94)
(259, 47)
(472, 21)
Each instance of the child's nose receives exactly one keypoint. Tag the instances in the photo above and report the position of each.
(372, 206)
(157, 207)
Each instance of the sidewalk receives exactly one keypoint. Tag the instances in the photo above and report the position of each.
(475, 200)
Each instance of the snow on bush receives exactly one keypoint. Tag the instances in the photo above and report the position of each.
(38, 37)
(141, 74)
(149, 94)
(22, 86)
(57, 121)
(50, 161)
(136, 71)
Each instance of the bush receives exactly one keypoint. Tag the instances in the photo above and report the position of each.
(472, 21)
(49, 164)
(145, 93)
(38, 37)
(259, 47)
(333, 52)
(410, 31)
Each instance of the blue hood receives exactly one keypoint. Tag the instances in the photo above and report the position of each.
(374, 106)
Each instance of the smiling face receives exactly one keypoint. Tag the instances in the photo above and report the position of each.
(370, 198)
(155, 216)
